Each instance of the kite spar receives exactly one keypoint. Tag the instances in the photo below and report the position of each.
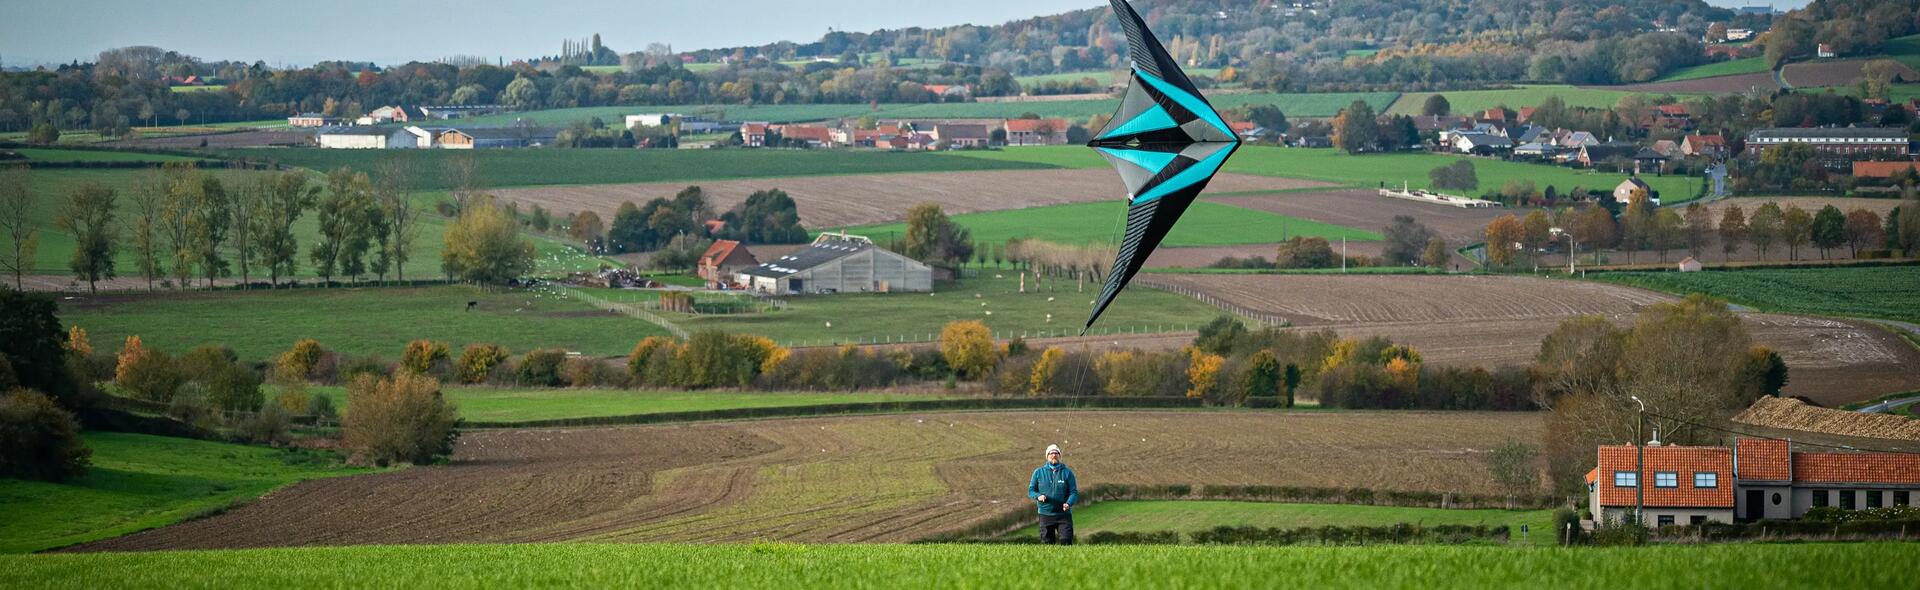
(1166, 141)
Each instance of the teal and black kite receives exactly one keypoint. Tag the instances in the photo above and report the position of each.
(1166, 141)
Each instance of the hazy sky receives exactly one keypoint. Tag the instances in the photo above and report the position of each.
(284, 32)
(395, 31)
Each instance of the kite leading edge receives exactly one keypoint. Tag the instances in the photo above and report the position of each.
(1166, 141)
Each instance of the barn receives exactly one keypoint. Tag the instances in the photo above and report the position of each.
(838, 263)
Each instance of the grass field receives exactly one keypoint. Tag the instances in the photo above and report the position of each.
(1468, 102)
(1188, 516)
(1103, 77)
(516, 405)
(1863, 566)
(140, 482)
(1732, 67)
(1204, 224)
(533, 167)
(863, 317)
(1879, 292)
(1905, 50)
(58, 155)
(1369, 171)
(259, 324)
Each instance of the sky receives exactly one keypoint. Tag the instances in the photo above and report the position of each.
(295, 33)
(283, 32)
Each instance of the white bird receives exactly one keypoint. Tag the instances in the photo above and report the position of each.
(829, 324)
(989, 312)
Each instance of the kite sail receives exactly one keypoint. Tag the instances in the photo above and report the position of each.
(1166, 141)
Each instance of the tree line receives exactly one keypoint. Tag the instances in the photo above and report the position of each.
(1516, 241)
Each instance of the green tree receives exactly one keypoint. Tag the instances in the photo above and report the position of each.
(1511, 464)
(344, 231)
(33, 342)
(210, 215)
(43, 133)
(39, 440)
(933, 237)
(149, 197)
(484, 246)
(1356, 128)
(1406, 238)
(1668, 231)
(1268, 116)
(1436, 105)
(1796, 229)
(1264, 375)
(286, 197)
(1767, 227)
(1829, 229)
(1221, 335)
(1436, 254)
(1291, 380)
(1907, 221)
(87, 215)
(1733, 230)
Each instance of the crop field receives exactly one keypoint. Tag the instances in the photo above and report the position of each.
(260, 324)
(59, 155)
(1205, 223)
(1747, 65)
(813, 480)
(140, 482)
(917, 317)
(1888, 292)
(829, 202)
(534, 167)
(1471, 102)
(1370, 171)
(785, 566)
(1366, 209)
(484, 404)
(1146, 516)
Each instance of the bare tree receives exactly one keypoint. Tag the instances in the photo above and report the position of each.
(1512, 466)
(392, 185)
(463, 177)
(247, 200)
(16, 220)
(149, 197)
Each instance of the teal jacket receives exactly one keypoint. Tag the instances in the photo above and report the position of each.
(1056, 482)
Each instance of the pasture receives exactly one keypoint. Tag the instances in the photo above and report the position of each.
(1732, 67)
(784, 566)
(140, 482)
(260, 324)
(486, 404)
(875, 478)
(1472, 102)
(1184, 516)
(1206, 223)
(1886, 292)
(59, 155)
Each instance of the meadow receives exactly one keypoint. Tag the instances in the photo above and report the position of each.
(260, 324)
(918, 317)
(1371, 170)
(1732, 67)
(139, 482)
(485, 404)
(1185, 516)
(1886, 292)
(1472, 102)
(1864, 566)
(1103, 222)
(60, 155)
(533, 167)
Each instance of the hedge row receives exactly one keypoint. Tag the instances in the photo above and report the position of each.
(1403, 533)
(1319, 495)
(1025, 403)
(1773, 529)
(203, 164)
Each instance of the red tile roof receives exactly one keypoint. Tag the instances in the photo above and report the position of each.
(1840, 467)
(1682, 461)
(1881, 169)
(1033, 125)
(1673, 110)
(754, 128)
(719, 251)
(1706, 140)
(1763, 459)
(807, 132)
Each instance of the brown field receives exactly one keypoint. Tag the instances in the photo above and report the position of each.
(838, 201)
(221, 140)
(1792, 414)
(857, 479)
(1366, 209)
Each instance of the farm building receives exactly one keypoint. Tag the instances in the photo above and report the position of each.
(312, 120)
(753, 134)
(813, 136)
(1753, 480)
(461, 111)
(1688, 264)
(839, 263)
(722, 261)
(1036, 131)
(393, 115)
(1711, 146)
(366, 138)
(962, 135)
(468, 138)
(1836, 145)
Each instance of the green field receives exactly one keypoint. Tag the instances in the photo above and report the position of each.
(918, 317)
(1370, 170)
(1472, 102)
(1187, 516)
(1732, 67)
(260, 324)
(1859, 566)
(1905, 50)
(1888, 292)
(529, 167)
(140, 482)
(1102, 222)
(1102, 77)
(519, 405)
(58, 155)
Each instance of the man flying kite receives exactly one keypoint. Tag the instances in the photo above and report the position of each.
(1165, 140)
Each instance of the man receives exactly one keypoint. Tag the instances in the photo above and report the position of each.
(1054, 488)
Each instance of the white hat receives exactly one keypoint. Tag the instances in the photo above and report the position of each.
(1051, 449)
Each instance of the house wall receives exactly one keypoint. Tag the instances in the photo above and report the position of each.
(1680, 515)
(455, 141)
(353, 142)
(1803, 496)
(1770, 509)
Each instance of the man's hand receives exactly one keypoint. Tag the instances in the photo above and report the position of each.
(1043, 497)
(1066, 507)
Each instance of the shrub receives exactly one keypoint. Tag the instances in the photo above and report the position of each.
(78, 343)
(146, 373)
(1220, 336)
(425, 357)
(321, 408)
(643, 352)
(205, 361)
(1263, 377)
(399, 419)
(297, 364)
(717, 359)
(968, 348)
(352, 367)
(293, 398)
(33, 341)
(269, 426)
(234, 388)
(1013, 375)
(591, 372)
(1040, 381)
(478, 360)
(8, 380)
(844, 368)
(541, 368)
(38, 440)
(190, 405)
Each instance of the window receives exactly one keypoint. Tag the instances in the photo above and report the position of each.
(1846, 499)
(1873, 498)
(1776, 498)
(1819, 498)
(1697, 519)
(1626, 479)
(1900, 498)
(1666, 520)
(1666, 479)
(1706, 479)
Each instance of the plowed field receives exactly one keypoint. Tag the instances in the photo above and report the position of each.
(874, 478)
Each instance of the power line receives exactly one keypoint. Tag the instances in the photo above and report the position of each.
(1786, 440)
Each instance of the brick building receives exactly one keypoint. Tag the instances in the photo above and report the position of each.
(1754, 479)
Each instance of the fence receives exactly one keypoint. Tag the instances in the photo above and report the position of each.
(1267, 318)
(628, 310)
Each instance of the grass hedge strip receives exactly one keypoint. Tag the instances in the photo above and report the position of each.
(948, 405)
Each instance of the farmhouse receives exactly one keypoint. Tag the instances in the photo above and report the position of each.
(753, 134)
(366, 138)
(1710, 146)
(722, 260)
(837, 263)
(1623, 192)
(1753, 480)
(1036, 131)
(962, 135)
(393, 115)
(312, 120)
(812, 136)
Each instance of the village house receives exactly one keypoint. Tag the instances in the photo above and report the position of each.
(1667, 116)
(313, 120)
(950, 92)
(960, 135)
(1667, 147)
(838, 263)
(1036, 131)
(1709, 146)
(1479, 144)
(1755, 479)
(1438, 123)
(1623, 192)
(1599, 153)
(811, 136)
(753, 134)
(1837, 145)
(722, 261)
(1648, 161)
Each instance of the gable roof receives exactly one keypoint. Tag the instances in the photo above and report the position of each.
(807, 132)
(953, 131)
(1700, 141)
(1763, 459)
(1680, 460)
(721, 250)
(1034, 125)
(824, 249)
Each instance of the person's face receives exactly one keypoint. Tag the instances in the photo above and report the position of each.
(1053, 456)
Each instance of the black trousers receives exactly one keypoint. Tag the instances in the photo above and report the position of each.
(1056, 530)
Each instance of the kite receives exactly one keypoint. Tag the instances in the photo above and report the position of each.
(1166, 141)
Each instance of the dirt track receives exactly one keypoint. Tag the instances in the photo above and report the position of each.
(872, 478)
(836, 201)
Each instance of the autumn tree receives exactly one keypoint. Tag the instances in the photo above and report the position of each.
(1699, 227)
(933, 237)
(1796, 229)
(968, 348)
(1863, 229)
(1405, 238)
(1504, 236)
(1668, 231)
(87, 215)
(402, 419)
(484, 245)
(149, 197)
(1733, 231)
(1766, 227)
(1436, 254)
(248, 198)
(285, 198)
(1906, 224)
(1536, 229)
(1594, 228)
(16, 221)
(1636, 224)
(1356, 128)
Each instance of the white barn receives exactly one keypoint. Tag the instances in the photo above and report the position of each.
(367, 138)
(838, 263)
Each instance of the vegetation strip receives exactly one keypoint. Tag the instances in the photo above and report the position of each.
(1036, 403)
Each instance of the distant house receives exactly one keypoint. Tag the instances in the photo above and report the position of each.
(1688, 264)
(1883, 169)
(1525, 114)
(950, 92)
(960, 135)
(652, 119)
(1709, 146)
(1623, 192)
(1668, 116)
(1838, 146)
(865, 138)
(911, 141)
(1436, 123)
(722, 260)
(838, 263)
(813, 136)
(1318, 141)
(313, 120)
(1577, 139)
(1036, 131)
(1592, 154)
(753, 134)
(1667, 147)
(445, 112)
(421, 137)
(1535, 150)
(366, 138)
(1825, 50)
(1496, 114)
(1756, 479)
(1480, 144)
(393, 115)
(469, 138)
(1646, 161)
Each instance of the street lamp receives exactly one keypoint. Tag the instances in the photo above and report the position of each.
(1640, 463)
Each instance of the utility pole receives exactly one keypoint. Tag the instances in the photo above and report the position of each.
(1640, 465)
